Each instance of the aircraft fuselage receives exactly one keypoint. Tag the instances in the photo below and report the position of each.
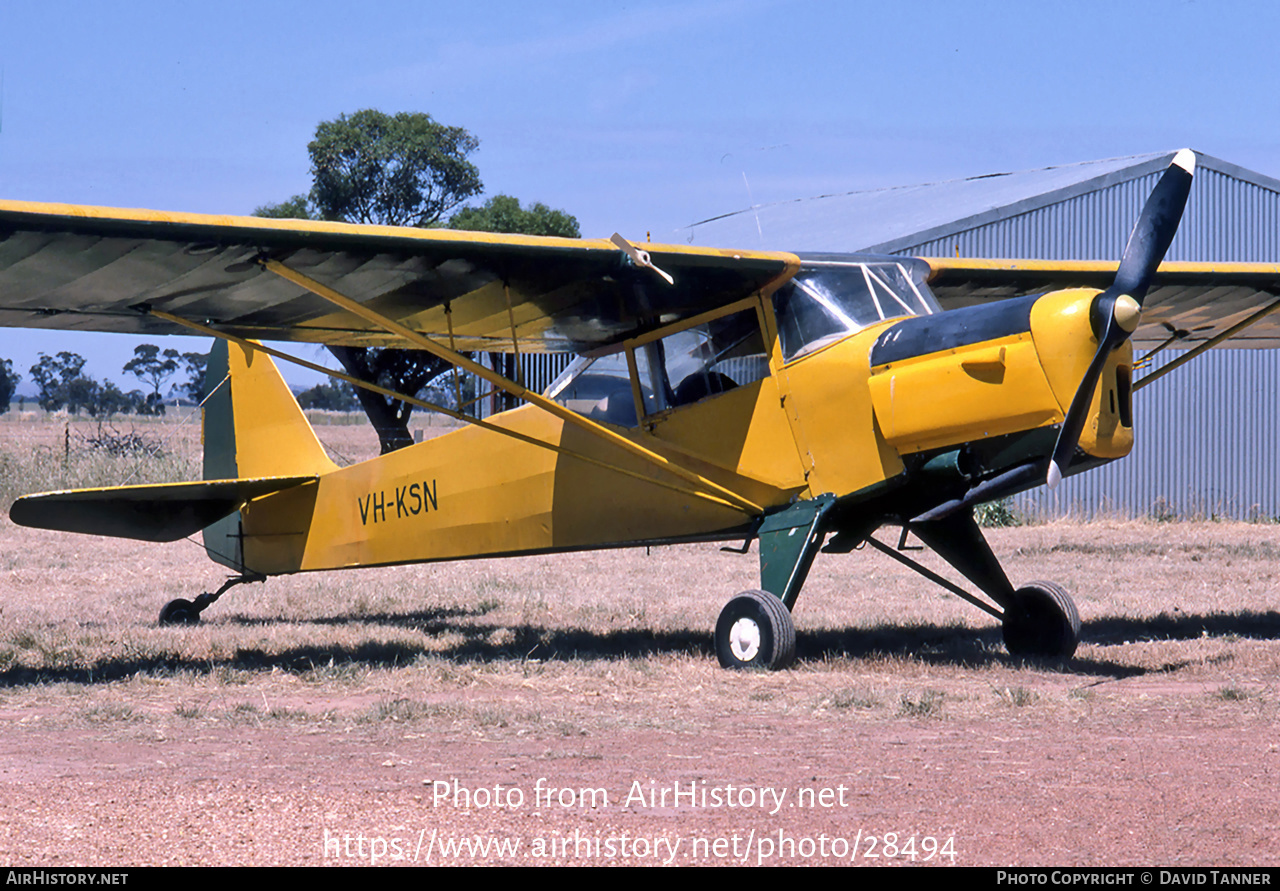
(928, 406)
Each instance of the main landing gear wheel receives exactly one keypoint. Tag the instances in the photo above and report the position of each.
(179, 612)
(1042, 623)
(755, 631)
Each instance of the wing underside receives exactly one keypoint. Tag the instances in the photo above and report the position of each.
(99, 269)
(1188, 302)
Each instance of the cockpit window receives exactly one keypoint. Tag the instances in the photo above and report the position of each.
(707, 360)
(827, 301)
(600, 388)
(682, 368)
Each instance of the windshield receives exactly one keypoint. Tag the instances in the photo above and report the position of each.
(829, 300)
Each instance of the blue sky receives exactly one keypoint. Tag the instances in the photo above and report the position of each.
(635, 117)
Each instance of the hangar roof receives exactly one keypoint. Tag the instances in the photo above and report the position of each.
(887, 220)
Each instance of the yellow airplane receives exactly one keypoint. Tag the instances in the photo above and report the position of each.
(801, 401)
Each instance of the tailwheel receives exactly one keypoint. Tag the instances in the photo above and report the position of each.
(187, 612)
(179, 612)
(755, 631)
(1042, 622)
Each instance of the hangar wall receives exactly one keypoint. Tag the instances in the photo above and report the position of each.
(1206, 440)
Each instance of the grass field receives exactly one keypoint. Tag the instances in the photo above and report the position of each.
(598, 667)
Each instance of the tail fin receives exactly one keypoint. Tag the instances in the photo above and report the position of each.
(253, 428)
(257, 443)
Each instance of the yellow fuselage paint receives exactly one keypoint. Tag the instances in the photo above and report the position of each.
(828, 405)
(474, 493)
(1007, 385)
(744, 431)
(957, 395)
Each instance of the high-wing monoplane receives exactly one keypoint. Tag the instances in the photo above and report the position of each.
(801, 401)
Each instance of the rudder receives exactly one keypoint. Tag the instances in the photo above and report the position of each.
(253, 428)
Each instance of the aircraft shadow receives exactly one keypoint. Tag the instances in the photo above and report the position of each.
(428, 620)
(953, 645)
(942, 645)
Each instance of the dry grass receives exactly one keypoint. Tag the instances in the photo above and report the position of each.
(605, 642)
(44, 452)
(614, 640)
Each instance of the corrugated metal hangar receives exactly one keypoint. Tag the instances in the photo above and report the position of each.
(1208, 434)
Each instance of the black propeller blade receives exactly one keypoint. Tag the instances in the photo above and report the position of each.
(1117, 310)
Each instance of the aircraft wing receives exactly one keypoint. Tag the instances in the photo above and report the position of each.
(1193, 301)
(98, 269)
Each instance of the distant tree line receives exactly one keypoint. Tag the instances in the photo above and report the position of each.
(333, 396)
(63, 384)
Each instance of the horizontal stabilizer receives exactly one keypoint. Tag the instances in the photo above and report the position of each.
(163, 512)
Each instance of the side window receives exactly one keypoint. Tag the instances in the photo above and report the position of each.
(600, 388)
(712, 358)
(679, 369)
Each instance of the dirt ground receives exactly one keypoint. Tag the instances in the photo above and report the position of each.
(1157, 788)
(569, 710)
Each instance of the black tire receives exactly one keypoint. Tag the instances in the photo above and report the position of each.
(179, 612)
(1042, 623)
(755, 631)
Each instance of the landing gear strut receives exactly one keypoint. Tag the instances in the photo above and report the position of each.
(1039, 620)
(755, 628)
(187, 612)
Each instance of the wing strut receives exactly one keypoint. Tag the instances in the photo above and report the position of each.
(431, 406)
(1208, 344)
(515, 341)
(508, 386)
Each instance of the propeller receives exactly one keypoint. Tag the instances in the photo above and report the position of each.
(639, 256)
(1115, 312)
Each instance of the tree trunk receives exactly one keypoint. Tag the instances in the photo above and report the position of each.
(384, 413)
